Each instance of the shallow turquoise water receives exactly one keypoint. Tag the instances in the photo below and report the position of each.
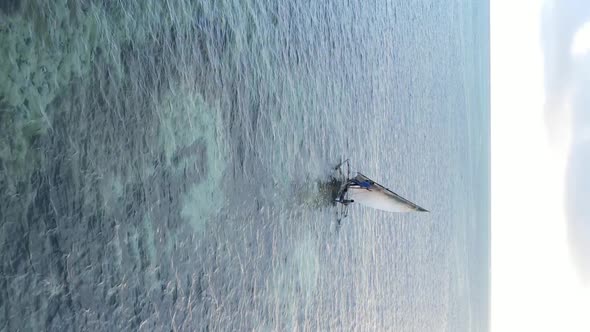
(162, 165)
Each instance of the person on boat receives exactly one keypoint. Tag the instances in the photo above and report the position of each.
(342, 200)
(366, 184)
(363, 184)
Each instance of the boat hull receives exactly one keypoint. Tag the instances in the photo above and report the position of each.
(378, 200)
(367, 192)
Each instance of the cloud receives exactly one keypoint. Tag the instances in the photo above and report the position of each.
(567, 78)
(577, 207)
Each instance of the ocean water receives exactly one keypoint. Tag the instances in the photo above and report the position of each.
(163, 165)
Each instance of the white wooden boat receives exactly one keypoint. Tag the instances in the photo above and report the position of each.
(367, 192)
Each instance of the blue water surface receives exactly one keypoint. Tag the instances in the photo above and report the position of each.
(164, 165)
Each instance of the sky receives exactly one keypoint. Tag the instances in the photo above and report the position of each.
(540, 118)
